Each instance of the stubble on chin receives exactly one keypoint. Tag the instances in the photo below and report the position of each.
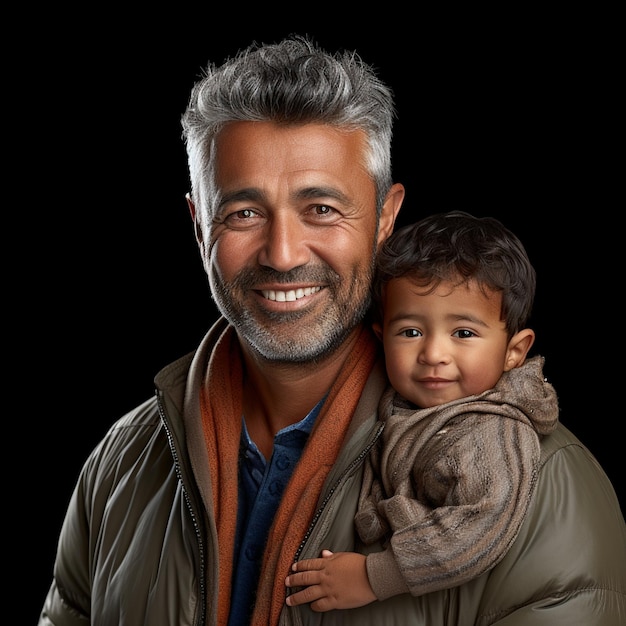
(306, 335)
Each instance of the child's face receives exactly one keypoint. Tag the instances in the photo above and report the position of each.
(445, 345)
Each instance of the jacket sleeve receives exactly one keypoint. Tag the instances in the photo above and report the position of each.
(126, 534)
(568, 563)
(68, 605)
(56, 613)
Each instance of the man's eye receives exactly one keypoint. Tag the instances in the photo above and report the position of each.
(323, 209)
(241, 216)
(240, 219)
(244, 214)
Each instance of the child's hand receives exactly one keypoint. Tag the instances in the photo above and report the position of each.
(334, 581)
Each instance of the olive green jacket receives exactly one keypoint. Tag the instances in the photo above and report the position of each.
(138, 545)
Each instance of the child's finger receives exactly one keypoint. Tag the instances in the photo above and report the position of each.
(304, 596)
(307, 565)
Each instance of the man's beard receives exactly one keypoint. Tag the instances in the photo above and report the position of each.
(300, 336)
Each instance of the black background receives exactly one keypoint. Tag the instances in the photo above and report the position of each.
(505, 117)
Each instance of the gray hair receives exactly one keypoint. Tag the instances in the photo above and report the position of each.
(291, 82)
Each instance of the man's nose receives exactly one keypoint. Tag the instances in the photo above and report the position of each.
(284, 246)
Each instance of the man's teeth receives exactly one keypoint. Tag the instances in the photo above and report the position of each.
(289, 296)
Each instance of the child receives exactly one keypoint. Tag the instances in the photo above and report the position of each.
(448, 487)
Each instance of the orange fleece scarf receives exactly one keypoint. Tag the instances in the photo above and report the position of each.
(221, 420)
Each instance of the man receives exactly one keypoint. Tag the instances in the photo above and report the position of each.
(194, 506)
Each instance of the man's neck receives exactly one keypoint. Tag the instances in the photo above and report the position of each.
(277, 395)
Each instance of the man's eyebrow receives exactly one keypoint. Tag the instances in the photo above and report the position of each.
(254, 194)
(239, 195)
(322, 192)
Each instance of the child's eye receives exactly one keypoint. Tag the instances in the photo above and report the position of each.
(463, 333)
(411, 332)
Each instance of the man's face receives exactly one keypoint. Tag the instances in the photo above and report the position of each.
(289, 252)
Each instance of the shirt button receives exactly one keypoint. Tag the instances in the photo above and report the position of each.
(283, 462)
(276, 488)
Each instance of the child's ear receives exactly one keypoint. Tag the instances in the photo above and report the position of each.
(378, 330)
(518, 348)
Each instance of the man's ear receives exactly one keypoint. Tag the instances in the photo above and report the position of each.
(192, 211)
(518, 348)
(391, 207)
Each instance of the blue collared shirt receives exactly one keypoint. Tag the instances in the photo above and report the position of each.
(261, 486)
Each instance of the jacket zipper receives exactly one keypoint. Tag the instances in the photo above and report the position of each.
(357, 461)
(194, 519)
